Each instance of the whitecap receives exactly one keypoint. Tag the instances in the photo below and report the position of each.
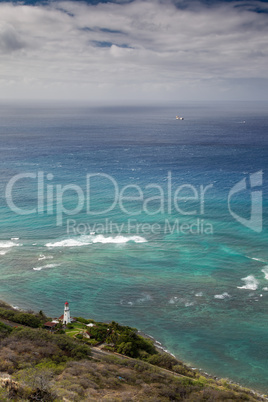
(256, 259)
(8, 244)
(188, 304)
(266, 289)
(118, 239)
(265, 271)
(87, 240)
(199, 294)
(44, 257)
(68, 243)
(146, 298)
(223, 296)
(3, 252)
(14, 238)
(46, 267)
(251, 283)
(173, 300)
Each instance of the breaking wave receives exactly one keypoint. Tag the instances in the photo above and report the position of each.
(118, 239)
(256, 259)
(251, 283)
(46, 267)
(87, 240)
(185, 301)
(265, 271)
(173, 300)
(44, 257)
(8, 244)
(145, 297)
(223, 296)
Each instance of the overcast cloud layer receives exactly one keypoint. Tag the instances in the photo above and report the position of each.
(148, 50)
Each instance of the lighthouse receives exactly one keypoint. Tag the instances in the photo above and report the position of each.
(66, 316)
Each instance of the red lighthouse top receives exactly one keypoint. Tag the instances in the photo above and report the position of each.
(66, 303)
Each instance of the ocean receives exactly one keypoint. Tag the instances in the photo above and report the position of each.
(131, 215)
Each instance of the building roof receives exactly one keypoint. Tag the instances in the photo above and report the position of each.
(61, 317)
(66, 303)
(50, 324)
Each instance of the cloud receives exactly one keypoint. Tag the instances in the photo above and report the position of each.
(9, 38)
(143, 48)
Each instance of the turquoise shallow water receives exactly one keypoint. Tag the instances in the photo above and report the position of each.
(188, 290)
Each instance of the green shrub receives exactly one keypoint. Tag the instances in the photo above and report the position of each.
(5, 330)
(67, 347)
(92, 342)
(79, 336)
(27, 319)
(162, 360)
(83, 320)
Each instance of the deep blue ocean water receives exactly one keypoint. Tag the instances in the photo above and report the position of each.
(202, 289)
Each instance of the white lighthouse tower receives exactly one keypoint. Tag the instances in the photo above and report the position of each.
(66, 316)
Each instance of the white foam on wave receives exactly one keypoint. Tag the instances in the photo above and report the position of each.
(256, 259)
(8, 244)
(45, 257)
(223, 296)
(46, 267)
(67, 243)
(16, 307)
(251, 283)
(185, 301)
(145, 298)
(87, 240)
(189, 304)
(173, 300)
(265, 271)
(199, 294)
(126, 303)
(118, 239)
(266, 289)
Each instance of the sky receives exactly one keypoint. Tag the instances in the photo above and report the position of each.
(134, 50)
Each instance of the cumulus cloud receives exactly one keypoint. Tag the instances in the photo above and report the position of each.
(142, 48)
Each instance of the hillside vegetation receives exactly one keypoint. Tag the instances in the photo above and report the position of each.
(36, 365)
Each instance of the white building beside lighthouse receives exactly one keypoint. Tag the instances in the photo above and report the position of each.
(66, 315)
